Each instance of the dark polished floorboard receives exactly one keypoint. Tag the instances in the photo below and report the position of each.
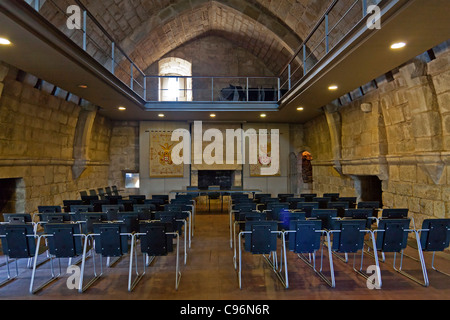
(210, 275)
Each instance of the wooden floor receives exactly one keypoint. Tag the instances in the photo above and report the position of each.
(210, 275)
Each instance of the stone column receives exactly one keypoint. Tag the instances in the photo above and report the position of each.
(82, 139)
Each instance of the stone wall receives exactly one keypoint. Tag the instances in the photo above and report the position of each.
(39, 139)
(399, 132)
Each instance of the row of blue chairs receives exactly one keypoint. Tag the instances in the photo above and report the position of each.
(324, 229)
(84, 235)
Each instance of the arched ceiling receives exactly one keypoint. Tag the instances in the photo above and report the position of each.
(148, 29)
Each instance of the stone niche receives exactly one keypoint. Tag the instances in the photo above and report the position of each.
(12, 196)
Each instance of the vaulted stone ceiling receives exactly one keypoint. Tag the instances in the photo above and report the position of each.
(149, 29)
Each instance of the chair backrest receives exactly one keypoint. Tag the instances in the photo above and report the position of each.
(349, 239)
(147, 208)
(308, 196)
(323, 201)
(90, 218)
(339, 206)
(112, 211)
(108, 191)
(49, 209)
(18, 240)
(351, 201)
(305, 239)
(57, 217)
(155, 241)
(308, 207)
(17, 218)
(255, 216)
(131, 220)
(115, 191)
(369, 204)
(259, 196)
(360, 214)
(137, 198)
(69, 203)
(286, 217)
(394, 238)
(293, 202)
(92, 192)
(63, 243)
(88, 199)
(109, 242)
(435, 234)
(97, 204)
(158, 203)
(396, 213)
(326, 215)
(333, 196)
(283, 196)
(82, 208)
(114, 199)
(261, 240)
(164, 197)
(83, 193)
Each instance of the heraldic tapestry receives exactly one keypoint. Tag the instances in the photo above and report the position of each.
(161, 164)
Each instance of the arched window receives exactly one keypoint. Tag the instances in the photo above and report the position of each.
(175, 82)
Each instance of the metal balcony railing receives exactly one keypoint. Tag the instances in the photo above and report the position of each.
(339, 19)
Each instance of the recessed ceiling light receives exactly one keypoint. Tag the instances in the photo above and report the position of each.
(4, 41)
(82, 86)
(333, 87)
(161, 115)
(122, 108)
(300, 109)
(398, 45)
(263, 115)
(212, 115)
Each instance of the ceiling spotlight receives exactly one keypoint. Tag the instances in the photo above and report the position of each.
(83, 86)
(212, 115)
(263, 115)
(161, 115)
(333, 87)
(300, 109)
(122, 108)
(398, 45)
(5, 41)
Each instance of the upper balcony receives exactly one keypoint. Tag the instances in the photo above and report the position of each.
(343, 49)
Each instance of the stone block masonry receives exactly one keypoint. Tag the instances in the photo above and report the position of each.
(37, 134)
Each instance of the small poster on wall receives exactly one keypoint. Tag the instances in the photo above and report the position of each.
(161, 164)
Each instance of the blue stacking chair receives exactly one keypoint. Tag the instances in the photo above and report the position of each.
(305, 237)
(156, 240)
(435, 237)
(348, 236)
(109, 240)
(392, 237)
(261, 238)
(18, 242)
(63, 240)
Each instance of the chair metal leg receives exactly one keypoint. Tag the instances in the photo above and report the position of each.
(132, 285)
(378, 281)
(331, 282)
(82, 288)
(53, 276)
(9, 277)
(425, 281)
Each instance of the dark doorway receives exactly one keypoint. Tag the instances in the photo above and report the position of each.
(370, 189)
(11, 196)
